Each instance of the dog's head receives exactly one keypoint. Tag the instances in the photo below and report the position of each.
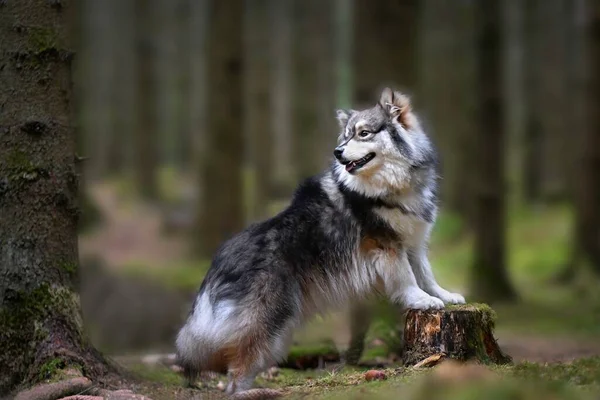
(380, 147)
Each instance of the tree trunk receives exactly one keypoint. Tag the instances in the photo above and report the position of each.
(183, 151)
(40, 317)
(548, 99)
(221, 206)
(460, 332)
(146, 133)
(587, 184)
(448, 31)
(489, 280)
(384, 47)
(198, 30)
(258, 105)
(312, 32)
(281, 109)
(123, 88)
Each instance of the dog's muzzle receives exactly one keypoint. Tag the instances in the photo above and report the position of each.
(338, 152)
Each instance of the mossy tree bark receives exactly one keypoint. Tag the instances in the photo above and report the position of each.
(221, 204)
(489, 277)
(40, 319)
(459, 332)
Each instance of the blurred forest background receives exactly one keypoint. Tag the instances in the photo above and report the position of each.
(198, 117)
(195, 118)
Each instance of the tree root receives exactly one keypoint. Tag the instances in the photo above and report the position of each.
(56, 390)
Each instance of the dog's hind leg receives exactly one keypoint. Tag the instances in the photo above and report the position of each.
(360, 320)
(256, 354)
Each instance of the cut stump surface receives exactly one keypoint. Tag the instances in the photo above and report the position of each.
(459, 332)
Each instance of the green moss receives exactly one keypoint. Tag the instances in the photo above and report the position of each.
(488, 315)
(69, 267)
(41, 39)
(27, 309)
(22, 168)
(50, 368)
(23, 326)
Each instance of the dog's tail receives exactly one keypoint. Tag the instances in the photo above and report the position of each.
(200, 343)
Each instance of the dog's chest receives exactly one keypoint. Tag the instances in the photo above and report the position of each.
(408, 226)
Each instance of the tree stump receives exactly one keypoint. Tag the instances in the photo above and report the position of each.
(459, 332)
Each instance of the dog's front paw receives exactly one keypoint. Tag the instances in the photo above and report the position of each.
(446, 296)
(415, 298)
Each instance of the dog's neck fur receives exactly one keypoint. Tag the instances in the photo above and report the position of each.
(415, 195)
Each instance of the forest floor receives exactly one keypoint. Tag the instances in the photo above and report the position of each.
(551, 333)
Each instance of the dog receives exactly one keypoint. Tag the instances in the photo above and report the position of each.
(362, 226)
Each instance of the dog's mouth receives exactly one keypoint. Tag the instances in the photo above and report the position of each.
(353, 166)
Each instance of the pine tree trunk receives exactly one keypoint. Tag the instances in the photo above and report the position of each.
(183, 151)
(198, 31)
(40, 316)
(146, 132)
(258, 105)
(123, 88)
(221, 206)
(312, 30)
(448, 94)
(547, 100)
(587, 184)
(281, 58)
(489, 281)
(384, 47)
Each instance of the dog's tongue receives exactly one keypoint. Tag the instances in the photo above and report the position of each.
(349, 166)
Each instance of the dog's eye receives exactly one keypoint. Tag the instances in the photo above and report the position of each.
(364, 134)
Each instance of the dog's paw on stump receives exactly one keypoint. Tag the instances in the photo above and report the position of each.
(464, 332)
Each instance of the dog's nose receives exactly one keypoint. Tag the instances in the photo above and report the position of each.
(338, 152)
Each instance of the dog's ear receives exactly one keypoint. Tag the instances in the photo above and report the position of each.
(343, 116)
(398, 107)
